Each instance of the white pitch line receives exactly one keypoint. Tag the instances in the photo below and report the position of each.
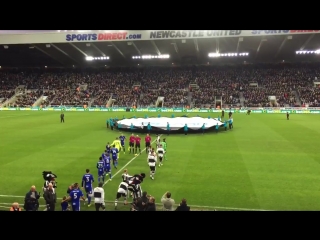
(4, 206)
(121, 169)
(1, 203)
(12, 196)
(9, 116)
(160, 204)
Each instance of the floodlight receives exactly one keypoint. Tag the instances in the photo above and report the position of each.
(97, 58)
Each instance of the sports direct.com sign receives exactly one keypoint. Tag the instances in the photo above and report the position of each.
(102, 37)
(56, 36)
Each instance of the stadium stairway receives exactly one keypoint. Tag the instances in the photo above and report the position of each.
(91, 101)
(38, 101)
(192, 103)
(189, 98)
(52, 101)
(298, 100)
(241, 97)
(10, 100)
(111, 101)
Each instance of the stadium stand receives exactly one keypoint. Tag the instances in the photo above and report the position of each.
(292, 84)
(310, 96)
(5, 95)
(28, 99)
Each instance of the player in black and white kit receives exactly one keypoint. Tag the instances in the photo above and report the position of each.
(122, 192)
(160, 152)
(152, 161)
(135, 190)
(149, 150)
(134, 185)
(125, 176)
(158, 141)
(154, 154)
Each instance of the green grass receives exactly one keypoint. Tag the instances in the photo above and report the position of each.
(264, 163)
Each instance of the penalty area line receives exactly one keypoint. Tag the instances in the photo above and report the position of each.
(130, 161)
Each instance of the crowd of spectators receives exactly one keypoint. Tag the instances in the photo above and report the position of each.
(5, 95)
(27, 99)
(174, 97)
(101, 98)
(49, 96)
(202, 97)
(70, 97)
(103, 85)
(280, 81)
(255, 97)
(215, 83)
(310, 96)
(150, 83)
(127, 96)
(148, 98)
(231, 83)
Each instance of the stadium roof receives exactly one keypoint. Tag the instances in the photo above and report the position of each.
(189, 51)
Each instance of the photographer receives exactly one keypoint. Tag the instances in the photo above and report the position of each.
(167, 202)
(31, 201)
(50, 197)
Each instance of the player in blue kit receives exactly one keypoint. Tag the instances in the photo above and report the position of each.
(122, 139)
(107, 167)
(114, 155)
(75, 196)
(103, 155)
(108, 148)
(100, 167)
(86, 184)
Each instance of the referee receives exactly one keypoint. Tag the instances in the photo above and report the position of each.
(62, 117)
(98, 194)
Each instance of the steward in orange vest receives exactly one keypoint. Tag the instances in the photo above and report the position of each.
(15, 207)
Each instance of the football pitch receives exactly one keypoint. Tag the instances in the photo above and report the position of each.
(264, 163)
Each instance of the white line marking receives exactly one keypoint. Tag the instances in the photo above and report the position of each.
(1, 203)
(11, 196)
(121, 169)
(160, 204)
(9, 116)
(4, 207)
